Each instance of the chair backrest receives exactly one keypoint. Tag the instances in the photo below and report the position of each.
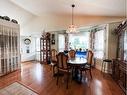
(90, 57)
(53, 55)
(71, 54)
(62, 60)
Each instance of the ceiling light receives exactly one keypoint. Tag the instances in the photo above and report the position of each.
(72, 28)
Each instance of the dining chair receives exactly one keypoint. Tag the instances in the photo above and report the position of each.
(71, 54)
(62, 66)
(88, 65)
(53, 60)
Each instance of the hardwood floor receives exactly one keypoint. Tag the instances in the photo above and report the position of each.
(39, 78)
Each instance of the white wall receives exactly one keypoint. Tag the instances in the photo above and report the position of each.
(7, 8)
(47, 22)
(52, 22)
(57, 23)
(23, 49)
(33, 25)
(112, 40)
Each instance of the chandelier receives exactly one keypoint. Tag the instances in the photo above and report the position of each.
(72, 28)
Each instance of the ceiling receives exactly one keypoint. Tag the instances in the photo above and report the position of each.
(83, 7)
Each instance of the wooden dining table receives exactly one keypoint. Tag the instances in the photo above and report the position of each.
(76, 63)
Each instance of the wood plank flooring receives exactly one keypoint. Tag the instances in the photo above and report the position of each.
(39, 78)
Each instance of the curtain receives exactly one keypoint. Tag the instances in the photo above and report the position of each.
(125, 45)
(97, 41)
(99, 44)
(61, 42)
(91, 39)
(9, 47)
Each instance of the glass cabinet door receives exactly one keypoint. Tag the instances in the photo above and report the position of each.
(121, 46)
(125, 45)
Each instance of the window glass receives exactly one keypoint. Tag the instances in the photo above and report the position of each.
(37, 48)
(99, 44)
(37, 44)
(79, 41)
(61, 42)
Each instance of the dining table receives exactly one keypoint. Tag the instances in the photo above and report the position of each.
(76, 64)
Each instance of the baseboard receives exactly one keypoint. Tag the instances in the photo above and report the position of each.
(27, 61)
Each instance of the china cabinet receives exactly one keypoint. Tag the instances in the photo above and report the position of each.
(45, 48)
(119, 68)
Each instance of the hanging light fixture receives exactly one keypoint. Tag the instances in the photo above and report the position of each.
(72, 28)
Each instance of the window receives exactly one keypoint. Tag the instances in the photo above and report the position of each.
(37, 44)
(37, 48)
(125, 45)
(77, 41)
(61, 39)
(99, 44)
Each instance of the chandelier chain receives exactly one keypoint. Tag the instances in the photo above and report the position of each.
(73, 14)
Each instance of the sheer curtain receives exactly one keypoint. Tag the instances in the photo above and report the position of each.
(61, 41)
(99, 44)
(37, 46)
(125, 45)
(9, 47)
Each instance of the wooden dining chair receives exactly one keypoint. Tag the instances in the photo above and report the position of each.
(62, 66)
(88, 65)
(71, 54)
(53, 60)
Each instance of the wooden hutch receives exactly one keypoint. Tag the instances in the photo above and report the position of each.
(45, 48)
(119, 67)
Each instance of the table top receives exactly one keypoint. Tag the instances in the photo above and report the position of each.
(77, 61)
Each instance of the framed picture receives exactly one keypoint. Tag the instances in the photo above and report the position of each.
(27, 49)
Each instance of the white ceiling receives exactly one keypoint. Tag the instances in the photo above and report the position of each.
(83, 7)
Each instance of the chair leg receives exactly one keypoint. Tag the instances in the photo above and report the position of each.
(57, 77)
(51, 67)
(90, 74)
(53, 70)
(67, 80)
(72, 72)
(102, 66)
